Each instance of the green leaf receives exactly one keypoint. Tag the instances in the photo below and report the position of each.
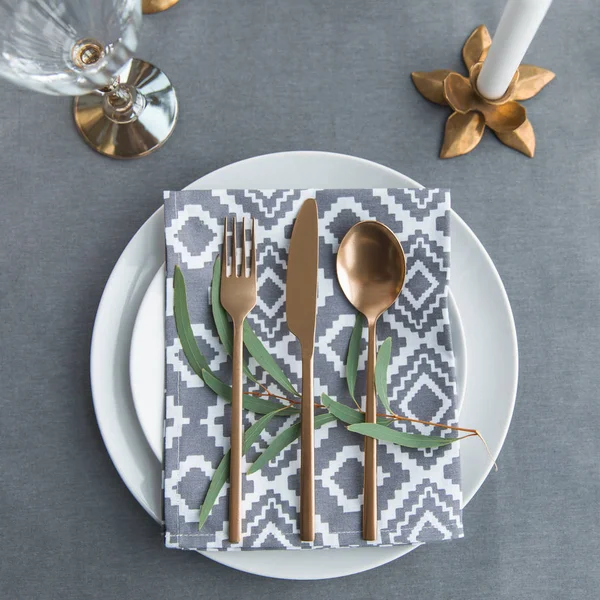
(341, 411)
(265, 360)
(381, 369)
(219, 314)
(224, 327)
(284, 439)
(184, 327)
(253, 403)
(400, 438)
(353, 354)
(346, 414)
(222, 472)
(216, 484)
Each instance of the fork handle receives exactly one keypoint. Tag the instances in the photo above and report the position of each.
(237, 432)
(307, 452)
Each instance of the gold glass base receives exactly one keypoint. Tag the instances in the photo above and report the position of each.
(153, 6)
(142, 133)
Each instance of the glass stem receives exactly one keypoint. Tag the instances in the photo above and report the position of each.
(122, 102)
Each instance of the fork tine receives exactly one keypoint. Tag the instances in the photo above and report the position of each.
(253, 250)
(243, 269)
(225, 257)
(234, 270)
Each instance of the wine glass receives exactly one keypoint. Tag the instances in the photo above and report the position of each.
(124, 107)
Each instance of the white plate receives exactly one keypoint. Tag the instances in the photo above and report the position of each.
(147, 360)
(487, 321)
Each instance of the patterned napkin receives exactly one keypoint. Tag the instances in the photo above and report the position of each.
(419, 489)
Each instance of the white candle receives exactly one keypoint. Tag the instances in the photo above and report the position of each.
(518, 24)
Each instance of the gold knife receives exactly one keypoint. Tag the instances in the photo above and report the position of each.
(301, 307)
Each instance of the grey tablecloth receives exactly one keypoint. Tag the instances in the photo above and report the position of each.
(256, 77)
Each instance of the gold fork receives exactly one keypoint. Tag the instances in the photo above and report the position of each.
(238, 297)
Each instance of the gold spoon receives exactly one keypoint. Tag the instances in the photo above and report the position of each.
(370, 268)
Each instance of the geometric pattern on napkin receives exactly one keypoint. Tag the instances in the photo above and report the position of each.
(419, 489)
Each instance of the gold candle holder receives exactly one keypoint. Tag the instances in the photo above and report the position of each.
(472, 111)
(153, 6)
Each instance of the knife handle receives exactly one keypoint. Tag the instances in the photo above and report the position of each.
(307, 452)
(370, 491)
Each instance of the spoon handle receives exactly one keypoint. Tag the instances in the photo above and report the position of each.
(370, 491)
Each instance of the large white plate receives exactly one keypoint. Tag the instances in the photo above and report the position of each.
(147, 360)
(486, 316)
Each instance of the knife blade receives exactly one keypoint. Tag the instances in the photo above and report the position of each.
(301, 309)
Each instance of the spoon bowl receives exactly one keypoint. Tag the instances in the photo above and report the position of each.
(371, 268)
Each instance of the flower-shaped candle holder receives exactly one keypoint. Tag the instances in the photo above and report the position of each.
(472, 111)
(153, 6)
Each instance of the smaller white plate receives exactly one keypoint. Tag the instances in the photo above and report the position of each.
(147, 360)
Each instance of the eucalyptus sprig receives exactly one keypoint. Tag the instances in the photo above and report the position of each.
(269, 405)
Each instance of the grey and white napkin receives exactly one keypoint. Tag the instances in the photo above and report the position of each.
(419, 489)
